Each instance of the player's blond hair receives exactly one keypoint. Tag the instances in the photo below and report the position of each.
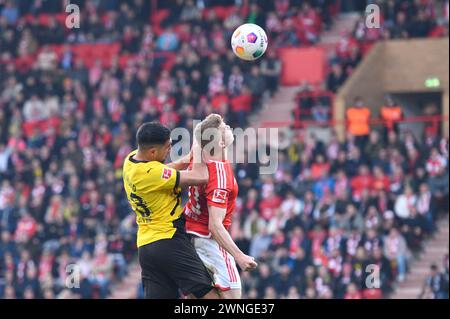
(212, 121)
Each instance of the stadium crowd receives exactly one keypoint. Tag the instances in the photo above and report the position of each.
(332, 209)
(398, 20)
(66, 124)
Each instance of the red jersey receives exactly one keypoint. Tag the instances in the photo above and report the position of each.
(220, 191)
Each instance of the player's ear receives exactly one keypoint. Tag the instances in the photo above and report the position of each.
(152, 151)
(222, 143)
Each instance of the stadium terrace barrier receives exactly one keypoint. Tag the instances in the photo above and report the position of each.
(318, 97)
(387, 69)
(433, 120)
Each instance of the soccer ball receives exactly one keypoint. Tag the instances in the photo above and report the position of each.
(249, 42)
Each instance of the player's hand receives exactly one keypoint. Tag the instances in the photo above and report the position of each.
(246, 262)
(196, 152)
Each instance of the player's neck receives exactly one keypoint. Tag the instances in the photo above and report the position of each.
(142, 157)
(220, 157)
(214, 158)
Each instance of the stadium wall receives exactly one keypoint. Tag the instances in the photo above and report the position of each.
(398, 66)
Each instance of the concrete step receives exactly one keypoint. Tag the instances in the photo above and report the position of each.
(407, 295)
(343, 23)
(412, 282)
(128, 287)
(278, 108)
(434, 251)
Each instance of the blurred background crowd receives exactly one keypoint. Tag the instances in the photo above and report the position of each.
(72, 99)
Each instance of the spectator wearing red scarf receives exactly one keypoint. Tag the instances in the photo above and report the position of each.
(436, 163)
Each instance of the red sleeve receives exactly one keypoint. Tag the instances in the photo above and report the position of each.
(386, 183)
(216, 190)
(354, 183)
(371, 182)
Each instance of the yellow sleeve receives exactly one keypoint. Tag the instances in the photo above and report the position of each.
(164, 177)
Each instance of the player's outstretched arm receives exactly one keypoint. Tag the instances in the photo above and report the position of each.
(198, 174)
(182, 163)
(221, 235)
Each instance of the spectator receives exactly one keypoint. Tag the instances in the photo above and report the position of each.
(256, 83)
(167, 41)
(424, 208)
(335, 78)
(405, 203)
(5, 154)
(47, 59)
(319, 167)
(271, 69)
(352, 292)
(396, 250)
(34, 109)
(256, 15)
(323, 186)
(435, 285)
(391, 113)
(11, 12)
(373, 147)
(364, 180)
(358, 117)
(436, 163)
(235, 81)
(241, 106)
(380, 181)
(216, 80)
(385, 270)
(60, 186)
(400, 29)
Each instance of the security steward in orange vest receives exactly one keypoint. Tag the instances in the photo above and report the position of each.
(358, 117)
(391, 113)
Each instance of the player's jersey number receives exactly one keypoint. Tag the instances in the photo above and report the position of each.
(141, 206)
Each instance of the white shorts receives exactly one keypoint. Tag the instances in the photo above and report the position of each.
(219, 262)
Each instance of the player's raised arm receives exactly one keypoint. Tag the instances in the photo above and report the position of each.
(182, 163)
(221, 235)
(198, 174)
(194, 177)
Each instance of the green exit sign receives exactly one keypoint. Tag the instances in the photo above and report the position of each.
(432, 82)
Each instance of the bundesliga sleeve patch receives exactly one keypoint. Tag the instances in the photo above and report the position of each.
(220, 196)
(167, 173)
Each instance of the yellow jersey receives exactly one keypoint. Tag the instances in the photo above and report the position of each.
(155, 196)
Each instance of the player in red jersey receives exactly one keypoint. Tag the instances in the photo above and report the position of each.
(210, 208)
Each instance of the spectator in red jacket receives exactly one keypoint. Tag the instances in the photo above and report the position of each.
(269, 205)
(241, 106)
(319, 167)
(364, 180)
(380, 180)
(76, 154)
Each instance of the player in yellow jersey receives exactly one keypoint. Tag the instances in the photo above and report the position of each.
(168, 259)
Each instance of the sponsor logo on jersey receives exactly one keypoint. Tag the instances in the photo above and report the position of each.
(219, 196)
(167, 173)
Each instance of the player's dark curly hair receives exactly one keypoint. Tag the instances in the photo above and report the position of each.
(152, 134)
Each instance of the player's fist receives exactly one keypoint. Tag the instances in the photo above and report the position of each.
(246, 262)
